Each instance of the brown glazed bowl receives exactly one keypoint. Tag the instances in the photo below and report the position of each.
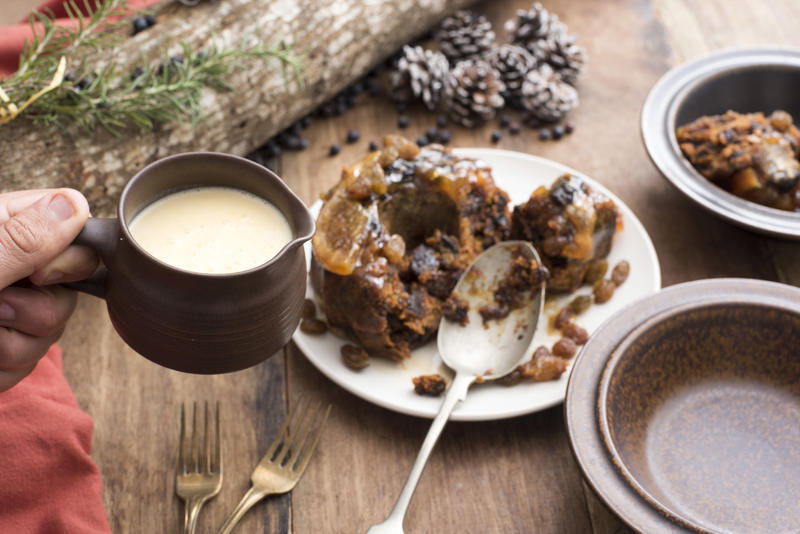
(744, 80)
(699, 408)
(191, 322)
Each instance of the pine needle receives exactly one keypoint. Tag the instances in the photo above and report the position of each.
(117, 97)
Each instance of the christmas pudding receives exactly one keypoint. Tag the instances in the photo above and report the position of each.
(393, 237)
(571, 226)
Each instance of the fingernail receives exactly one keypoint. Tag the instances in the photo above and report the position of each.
(53, 278)
(7, 313)
(60, 208)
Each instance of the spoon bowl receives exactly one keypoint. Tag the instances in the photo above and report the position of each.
(477, 348)
(490, 349)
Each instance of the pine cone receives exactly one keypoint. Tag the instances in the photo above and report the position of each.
(512, 63)
(532, 25)
(561, 53)
(546, 96)
(474, 88)
(420, 74)
(465, 35)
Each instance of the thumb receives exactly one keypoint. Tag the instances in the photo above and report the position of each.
(36, 234)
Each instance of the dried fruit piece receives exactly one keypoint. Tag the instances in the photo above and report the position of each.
(596, 271)
(354, 357)
(565, 348)
(564, 317)
(543, 366)
(576, 333)
(620, 273)
(313, 326)
(431, 385)
(309, 309)
(580, 304)
(603, 290)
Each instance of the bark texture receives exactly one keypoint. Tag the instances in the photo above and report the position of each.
(340, 40)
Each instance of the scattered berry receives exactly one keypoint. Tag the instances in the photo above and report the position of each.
(303, 144)
(569, 128)
(422, 140)
(151, 20)
(505, 120)
(402, 121)
(177, 60)
(432, 134)
(514, 128)
(273, 149)
(558, 132)
(335, 149)
(444, 137)
(373, 146)
(353, 136)
(82, 84)
(372, 87)
(139, 25)
(356, 89)
(296, 128)
(441, 121)
(136, 73)
(305, 122)
(496, 135)
(544, 134)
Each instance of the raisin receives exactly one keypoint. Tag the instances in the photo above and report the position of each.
(563, 317)
(354, 357)
(580, 304)
(313, 326)
(596, 271)
(603, 290)
(309, 309)
(620, 273)
(565, 348)
(576, 333)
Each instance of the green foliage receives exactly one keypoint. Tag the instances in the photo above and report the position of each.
(144, 95)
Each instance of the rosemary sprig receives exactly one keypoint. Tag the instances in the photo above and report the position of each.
(114, 96)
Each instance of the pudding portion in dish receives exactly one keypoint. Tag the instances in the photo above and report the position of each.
(393, 237)
(750, 155)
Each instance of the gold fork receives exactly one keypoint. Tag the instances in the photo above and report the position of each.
(199, 476)
(285, 460)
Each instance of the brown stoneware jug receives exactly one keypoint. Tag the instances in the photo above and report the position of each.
(192, 322)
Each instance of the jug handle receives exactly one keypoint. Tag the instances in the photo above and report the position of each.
(101, 235)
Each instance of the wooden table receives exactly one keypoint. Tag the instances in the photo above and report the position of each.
(512, 476)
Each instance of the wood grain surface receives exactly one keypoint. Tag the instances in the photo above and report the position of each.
(512, 476)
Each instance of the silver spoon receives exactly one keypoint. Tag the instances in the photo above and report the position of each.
(488, 351)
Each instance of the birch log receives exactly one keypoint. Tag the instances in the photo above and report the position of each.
(340, 40)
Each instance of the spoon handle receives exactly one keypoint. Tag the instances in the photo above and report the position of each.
(455, 394)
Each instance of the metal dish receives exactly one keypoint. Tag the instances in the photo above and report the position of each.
(744, 80)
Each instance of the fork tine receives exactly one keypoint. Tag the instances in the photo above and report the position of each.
(294, 429)
(302, 463)
(282, 431)
(182, 442)
(217, 447)
(297, 444)
(206, 443)
(194, 445)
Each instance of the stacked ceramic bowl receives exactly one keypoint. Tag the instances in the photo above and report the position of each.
(684, 409)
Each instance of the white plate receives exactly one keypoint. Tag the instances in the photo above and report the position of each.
(388, 383)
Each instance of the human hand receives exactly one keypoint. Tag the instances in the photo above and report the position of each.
(36, 229)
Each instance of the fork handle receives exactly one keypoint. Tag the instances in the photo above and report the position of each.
(250, 498)
(191, 511)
